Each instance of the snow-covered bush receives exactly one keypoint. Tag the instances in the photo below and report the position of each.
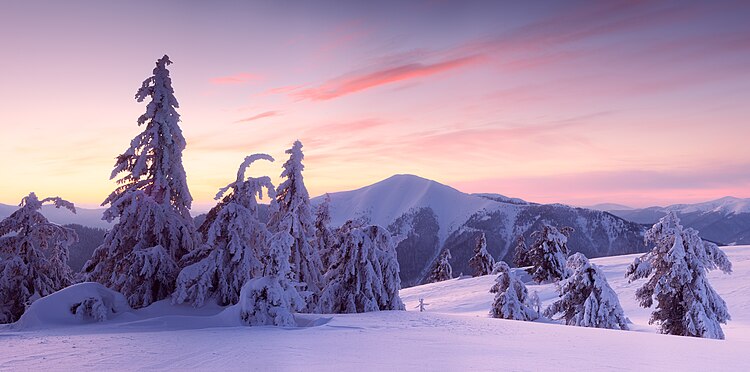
(548, 254)
(364, 272)
(33, 256)
(294, 216)
(586, 299)
(154, 228)
(482, 262)
(272, 298)
(511, 296)
(235, 242)
(676, 269)
(521, 253)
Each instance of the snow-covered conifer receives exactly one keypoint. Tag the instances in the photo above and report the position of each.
(235, 242)
(33, 256)
(364, 272)
(324, 236)
(482, 262)
(442, 269)
(294, 216)
(676, 269)
(548, 254)
(272, 299)
(511, 296)
(586, 299)
(521, 253)
(151, 204)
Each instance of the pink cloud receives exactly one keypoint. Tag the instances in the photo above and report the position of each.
(259, 116)
(240, 78)
(357, 83)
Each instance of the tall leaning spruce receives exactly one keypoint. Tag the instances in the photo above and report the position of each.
(151, 203)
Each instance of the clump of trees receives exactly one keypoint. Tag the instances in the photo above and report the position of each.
(482, 262)
(442, 269)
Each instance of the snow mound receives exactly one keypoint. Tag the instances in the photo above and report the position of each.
(78, 304)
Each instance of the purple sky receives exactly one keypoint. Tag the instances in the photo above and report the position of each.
(580, 102)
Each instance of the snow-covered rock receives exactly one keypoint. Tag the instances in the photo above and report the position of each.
(78, 304)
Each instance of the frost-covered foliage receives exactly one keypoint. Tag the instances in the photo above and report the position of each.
(442, 269)
(151, 203)
(548, 254)
(511, 296)
(33, 256)
(272, 299)
(235, 241)
(521, 253)
(294, 216)
(91, 309)
(364, 272)
(482, 262)
(586, 299)
(687, 305)
(325, 238)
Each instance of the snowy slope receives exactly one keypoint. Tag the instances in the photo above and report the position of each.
(455, 333)
(726, 205)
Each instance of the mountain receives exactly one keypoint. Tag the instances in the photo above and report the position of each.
(427, 217)
(609, 207)
(62, 216)
(725, 221)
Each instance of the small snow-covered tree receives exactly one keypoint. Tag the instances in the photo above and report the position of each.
(272, 298)
(586, 299)
(151, 204)
(324, 236)
(33, 256)
(676, 269)
(482, 262)
(294, 216)
(511, 296)
(235, 242)
(442, 269)
(548, 254)
(364, 272)
(521, 253)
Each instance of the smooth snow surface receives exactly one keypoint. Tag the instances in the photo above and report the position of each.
(454, 334)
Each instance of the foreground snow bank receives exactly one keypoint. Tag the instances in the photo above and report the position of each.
(78, 304)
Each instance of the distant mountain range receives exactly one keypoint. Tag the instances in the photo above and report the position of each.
(427, 217)
(725, 221)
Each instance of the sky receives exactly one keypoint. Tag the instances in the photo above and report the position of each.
(580, 102)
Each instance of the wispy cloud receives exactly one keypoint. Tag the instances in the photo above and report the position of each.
(240, 78)
(262, 115)
(358, 82)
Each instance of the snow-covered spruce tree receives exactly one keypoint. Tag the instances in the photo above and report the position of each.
(586, 299)
(482, 262)
(364, 272)
(33, 256)
(511, 296)
(235, 241)
(521, 253)
(324, 236)
(442, 269)
(154, 228)
(271, 299)
(294, 216)
(548, 254)
(687, 305)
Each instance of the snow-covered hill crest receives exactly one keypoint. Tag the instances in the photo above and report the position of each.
(427, 217)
